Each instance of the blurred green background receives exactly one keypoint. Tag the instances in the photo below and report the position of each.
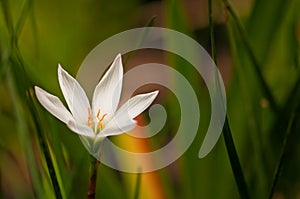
(257, 49)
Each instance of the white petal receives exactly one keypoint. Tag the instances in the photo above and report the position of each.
(80, 128)
(75, 96)
(123, 119)
(107, 93)
(53, 104)
(117, 126)
(137, 104)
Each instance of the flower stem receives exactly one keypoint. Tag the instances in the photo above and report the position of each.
(94, 164)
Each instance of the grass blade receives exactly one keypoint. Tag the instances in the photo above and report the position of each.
(234, 161)
(283, 155)
(23, 86)
(23, 135)
(45, 148)
(268, 17)
(264, 86)
(231, 150)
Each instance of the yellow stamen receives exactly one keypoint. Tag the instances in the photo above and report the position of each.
(98, 113)
(91, 122)
(100, 120)
(90, 118)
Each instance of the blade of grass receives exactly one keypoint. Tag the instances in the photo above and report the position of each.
(7, 17)
(282, 157)
(231, 150)
(26, 92)
(26, 10)
(264, 86)
(24, 85)
(22, 18)
(234, 161)
(19, 112)
(254, 135)
(43, 145)
(268, 17)
(24, 136)
(291, 103)
(281, 121)
(57, 164)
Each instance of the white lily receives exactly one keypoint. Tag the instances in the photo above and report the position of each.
(101, 118)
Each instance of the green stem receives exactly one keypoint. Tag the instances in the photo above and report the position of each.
(93, 171)
(267, 92)
(230, 147)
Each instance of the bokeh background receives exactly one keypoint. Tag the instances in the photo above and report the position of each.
(257, 50)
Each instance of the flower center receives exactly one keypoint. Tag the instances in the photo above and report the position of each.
(99, 120)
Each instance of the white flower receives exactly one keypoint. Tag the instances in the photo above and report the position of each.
(101, 118)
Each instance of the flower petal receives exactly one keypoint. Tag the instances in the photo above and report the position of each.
(75, 96)
(80, 128)
(137, 104)
(117, 126)
(107, 93)
(53, 104)
(123, 119)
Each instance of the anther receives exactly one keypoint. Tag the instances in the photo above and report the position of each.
(100, 119)
(90, 118)
(98, 113)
